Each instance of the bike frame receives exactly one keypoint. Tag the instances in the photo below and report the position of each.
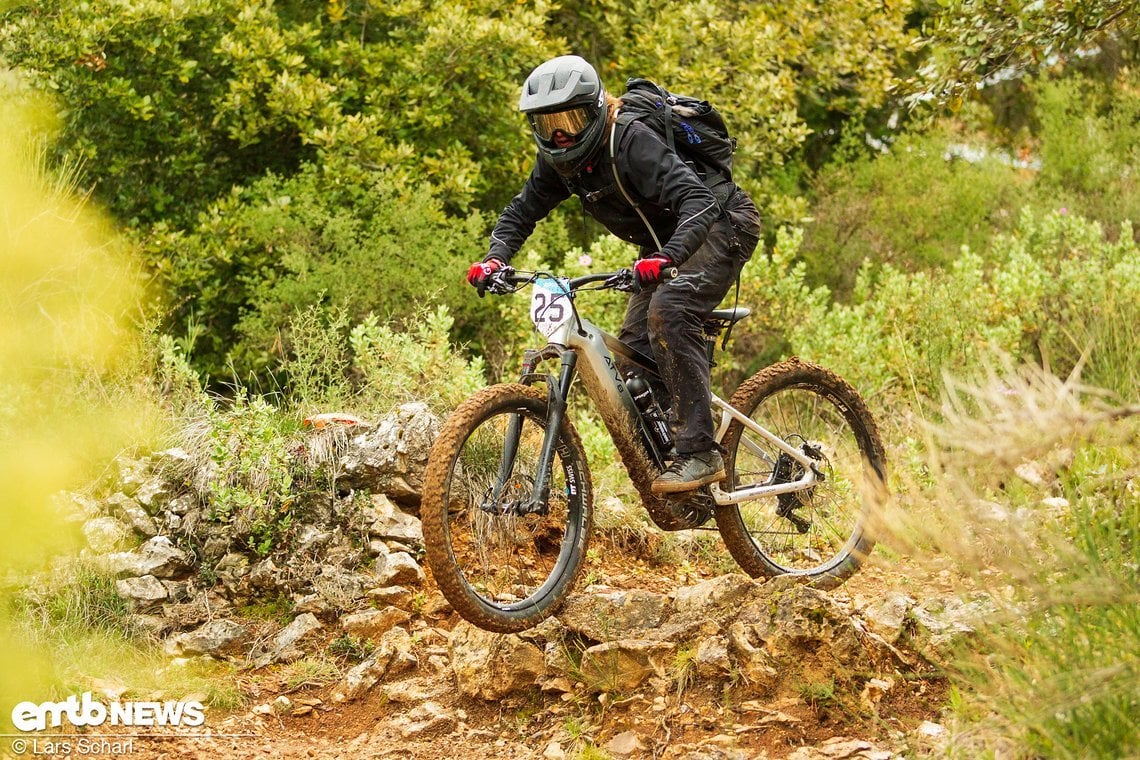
(588, 352)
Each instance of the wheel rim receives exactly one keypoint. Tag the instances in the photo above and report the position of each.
(510, 561)
(812, 531)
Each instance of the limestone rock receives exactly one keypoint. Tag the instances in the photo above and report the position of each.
(489, 665)
(705, 598)
(283, 647)
(341, 588)
(942, 622)
(391, 523)
(614, 615)
(131, 511)
(152, 494)
(372, 624)
(400, 644)
(887, 616)
(395, 596)
(362, 677)
(625, 743)
(158, 557)
(398, 569)
(624, 665)
(428, 718)
(712, 657)
(390, 458)
(393, 655)
(798, 618)
(218, 637)
(755, 663)
(144, 594)
(841, 748)
(105, 534)
(415, 690)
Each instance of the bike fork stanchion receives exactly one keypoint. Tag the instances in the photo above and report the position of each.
(511, 439)
(556, 410)
(507, 463)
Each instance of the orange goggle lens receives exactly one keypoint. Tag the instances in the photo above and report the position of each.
(570, 122)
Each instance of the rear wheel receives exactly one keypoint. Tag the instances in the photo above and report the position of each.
(820, 533)
(503, 561)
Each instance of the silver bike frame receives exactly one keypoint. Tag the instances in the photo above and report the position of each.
(607, 390)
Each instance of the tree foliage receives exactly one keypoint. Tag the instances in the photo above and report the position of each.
(274, 153)
(971, 40)
(196, 117)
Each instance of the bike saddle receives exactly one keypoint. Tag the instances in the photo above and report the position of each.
(731, 316)
(720, 320)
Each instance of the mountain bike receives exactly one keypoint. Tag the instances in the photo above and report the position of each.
(507, 505)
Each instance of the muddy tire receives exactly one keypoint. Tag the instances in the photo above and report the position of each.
(821, 535)
(501, 567)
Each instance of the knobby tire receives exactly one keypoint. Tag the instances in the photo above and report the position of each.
(503, 572)
(803, 402)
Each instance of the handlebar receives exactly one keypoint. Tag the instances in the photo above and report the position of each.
(508, 280)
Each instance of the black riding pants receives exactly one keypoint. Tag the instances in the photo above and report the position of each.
(665, 322)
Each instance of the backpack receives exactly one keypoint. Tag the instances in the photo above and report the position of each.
(692, 127)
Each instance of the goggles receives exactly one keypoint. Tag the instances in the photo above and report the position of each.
(570, 122)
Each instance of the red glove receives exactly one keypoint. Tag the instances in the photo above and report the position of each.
(478, 272)
(647, 271)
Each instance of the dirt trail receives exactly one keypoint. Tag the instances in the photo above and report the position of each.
(692, 718)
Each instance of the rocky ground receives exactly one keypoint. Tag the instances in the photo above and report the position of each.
(658, 653)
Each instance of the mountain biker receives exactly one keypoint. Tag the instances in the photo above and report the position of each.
(706, 233)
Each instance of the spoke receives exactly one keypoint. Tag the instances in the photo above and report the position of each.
(801, 416)
(505, 556)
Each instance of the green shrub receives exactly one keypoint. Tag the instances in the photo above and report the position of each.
(174, 103)
(1089, 135)
(268, 252)
(317, 364)
(1056, 283)
(913, 208)
(417, 365)
(249, 475)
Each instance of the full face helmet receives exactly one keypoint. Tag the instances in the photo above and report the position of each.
(566, 105)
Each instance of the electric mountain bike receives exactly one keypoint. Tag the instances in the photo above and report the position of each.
(507, 503)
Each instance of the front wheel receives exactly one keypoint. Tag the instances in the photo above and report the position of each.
(820, 533)
(504, 559)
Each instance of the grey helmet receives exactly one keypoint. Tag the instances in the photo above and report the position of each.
(565, 95)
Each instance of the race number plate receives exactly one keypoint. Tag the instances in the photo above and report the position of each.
(550, 307)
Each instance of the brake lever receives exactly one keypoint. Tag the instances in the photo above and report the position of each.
(498, 283)
(622, 281)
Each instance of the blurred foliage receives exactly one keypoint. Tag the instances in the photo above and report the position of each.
(1051, 290)
(913, 207)
(67, 289)
(1033, 500)
(973, 42)
(957, 184)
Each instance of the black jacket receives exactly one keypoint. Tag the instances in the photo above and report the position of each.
(668, 191)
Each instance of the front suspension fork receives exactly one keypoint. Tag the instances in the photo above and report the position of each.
(557, 396)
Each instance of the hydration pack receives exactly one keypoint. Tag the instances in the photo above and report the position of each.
(691, 127)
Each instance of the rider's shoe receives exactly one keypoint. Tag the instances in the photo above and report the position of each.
(689, 472)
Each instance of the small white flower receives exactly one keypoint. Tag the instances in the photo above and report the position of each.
(585, 260)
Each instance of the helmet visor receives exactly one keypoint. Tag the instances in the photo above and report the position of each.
(570, 122)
